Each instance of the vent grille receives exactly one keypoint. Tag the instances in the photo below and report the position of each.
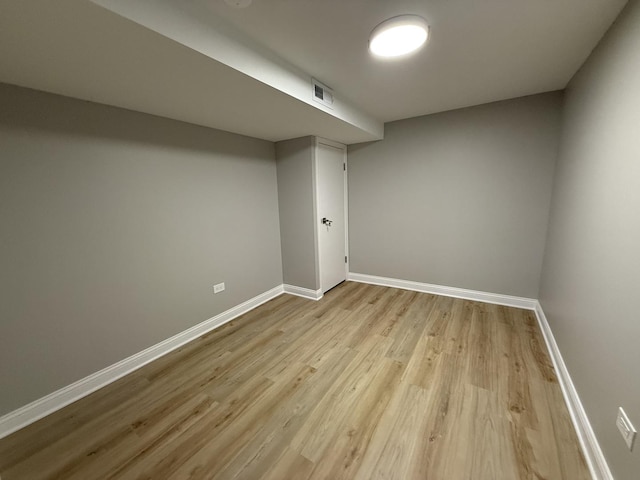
(322, 94)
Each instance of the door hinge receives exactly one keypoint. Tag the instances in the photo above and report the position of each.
(344, 167)
(345, 259)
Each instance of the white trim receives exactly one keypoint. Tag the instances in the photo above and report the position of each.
(44, 406)
(346, 212)
(303, 292)
(496, 298)
(316, 217)
(593, 454)
(331, 143)
(318, 243)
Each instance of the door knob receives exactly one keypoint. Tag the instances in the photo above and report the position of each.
(326, 221)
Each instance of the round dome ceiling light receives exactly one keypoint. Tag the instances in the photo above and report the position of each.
(398, 36)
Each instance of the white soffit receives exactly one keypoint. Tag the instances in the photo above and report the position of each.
(195, 27)
(79, 49)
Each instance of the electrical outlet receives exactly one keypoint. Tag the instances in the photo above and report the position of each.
(218, 287)
(626, 428)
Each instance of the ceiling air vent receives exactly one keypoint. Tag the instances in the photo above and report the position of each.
(321, 93)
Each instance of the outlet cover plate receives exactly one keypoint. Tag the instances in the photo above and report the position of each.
(218, 287)
(626, 428)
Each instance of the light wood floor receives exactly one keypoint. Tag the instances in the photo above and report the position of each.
(368, 383)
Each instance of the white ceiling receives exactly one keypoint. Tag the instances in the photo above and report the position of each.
(479, 51)
(248, 70)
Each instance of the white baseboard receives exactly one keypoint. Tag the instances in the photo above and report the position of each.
(507, 300)
(303, 292)
(42, 407)
(593, 454)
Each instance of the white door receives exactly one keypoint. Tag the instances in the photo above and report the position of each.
(330, 188)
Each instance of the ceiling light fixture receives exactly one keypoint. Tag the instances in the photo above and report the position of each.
(398, 36)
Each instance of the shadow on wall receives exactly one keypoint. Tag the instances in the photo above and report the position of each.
(57, 115)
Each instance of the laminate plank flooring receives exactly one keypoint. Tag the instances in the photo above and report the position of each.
(368, 383)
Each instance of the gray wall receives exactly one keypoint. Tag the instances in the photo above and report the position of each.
(295, 197)
(591, 271)
(458, 198)
(114, 226)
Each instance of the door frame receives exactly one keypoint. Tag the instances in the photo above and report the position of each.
(316, 213)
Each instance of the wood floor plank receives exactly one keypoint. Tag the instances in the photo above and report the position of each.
(288, 418)
(368, 383)
(345, 451)
(36, 437)
(474, 440)
(159, 437)
(201, 453)
(291, 465)
(332, 409)
(399, 437)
